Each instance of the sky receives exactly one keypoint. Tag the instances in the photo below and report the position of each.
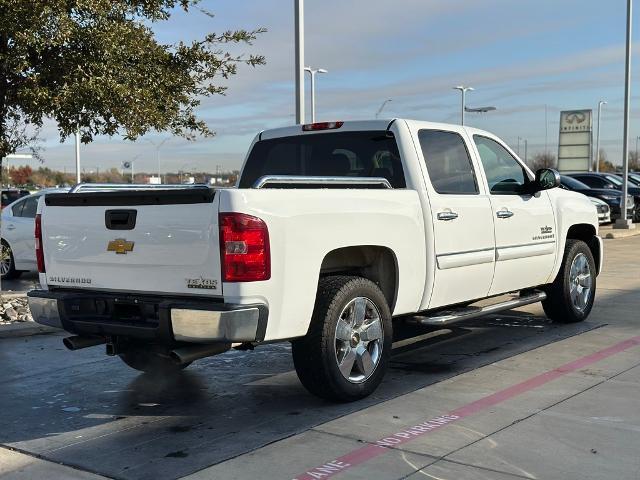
(524, 57)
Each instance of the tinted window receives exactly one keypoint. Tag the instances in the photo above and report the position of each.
(17, 209)
(448, 162)
(336, 154)
(504, 173)
(573, 184)
(11, 196)
(30, 207)
(594, 182)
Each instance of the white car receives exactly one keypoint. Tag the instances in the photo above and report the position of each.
(18, 252)
(604, 212)
(335, 229)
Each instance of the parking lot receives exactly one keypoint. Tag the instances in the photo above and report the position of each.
(508, 396)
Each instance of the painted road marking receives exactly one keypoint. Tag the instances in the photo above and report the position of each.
(361, 455)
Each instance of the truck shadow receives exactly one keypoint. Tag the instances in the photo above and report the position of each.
(131, 425)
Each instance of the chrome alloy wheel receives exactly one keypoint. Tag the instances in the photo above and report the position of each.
(580, 282)
(359, 340)
(5, 259)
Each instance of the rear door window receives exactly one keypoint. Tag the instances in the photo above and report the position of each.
(448, 162)
(335, 154)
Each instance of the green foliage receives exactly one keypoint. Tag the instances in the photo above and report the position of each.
(96, 65)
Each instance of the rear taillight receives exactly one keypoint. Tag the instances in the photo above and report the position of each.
(39, 251)
(311, 127)
(244, 248)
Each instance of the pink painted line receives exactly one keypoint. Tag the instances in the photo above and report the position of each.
(361, 455)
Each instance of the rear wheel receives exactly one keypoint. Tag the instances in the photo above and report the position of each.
(345, 354)
(570, 297)
(151, 362)
(7, 265)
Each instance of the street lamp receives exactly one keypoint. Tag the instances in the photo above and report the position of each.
(157, 146)
(384, 104)
(600, 103)
(463, 91)
(623, 221)
(313, 73)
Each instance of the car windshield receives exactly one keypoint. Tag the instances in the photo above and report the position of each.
(336, 154)
(613, 179)
(572, 183)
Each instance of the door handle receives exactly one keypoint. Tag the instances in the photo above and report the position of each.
(11, 226)
(446, 216)
(504, 213)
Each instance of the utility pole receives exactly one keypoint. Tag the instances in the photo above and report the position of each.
(623, 221)
(299, 63)
(600, 103)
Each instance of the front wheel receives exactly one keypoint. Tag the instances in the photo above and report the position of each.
(570, 297)
(345, 354)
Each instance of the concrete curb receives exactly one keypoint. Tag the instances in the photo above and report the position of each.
(610, 234)
(10, 294)
(25, 329)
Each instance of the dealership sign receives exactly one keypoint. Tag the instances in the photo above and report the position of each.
(575, 144)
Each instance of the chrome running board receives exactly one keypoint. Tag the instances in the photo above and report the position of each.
(447, 317)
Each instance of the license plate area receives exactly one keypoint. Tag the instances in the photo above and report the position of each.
(114, 310)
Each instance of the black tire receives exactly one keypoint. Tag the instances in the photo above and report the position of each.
(151, 362)
(11, 272)
(559, 305)
(315, 356)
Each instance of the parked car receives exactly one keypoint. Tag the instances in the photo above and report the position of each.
(633, 177)
(11, 195)
(610, 196)
(604, 213)
(18, 253)
(335, 229)
(612, 181)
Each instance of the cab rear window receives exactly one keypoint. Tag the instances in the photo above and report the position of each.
(336, 154)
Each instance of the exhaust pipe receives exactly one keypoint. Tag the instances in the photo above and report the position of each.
(194, 352)
(77, 342)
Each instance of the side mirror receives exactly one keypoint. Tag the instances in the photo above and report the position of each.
(546, 178)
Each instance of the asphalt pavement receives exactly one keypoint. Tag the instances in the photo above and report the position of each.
(507, 396)
(25, 282)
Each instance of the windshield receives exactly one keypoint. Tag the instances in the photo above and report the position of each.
(336, 154)
(614, 179)
(572, 183)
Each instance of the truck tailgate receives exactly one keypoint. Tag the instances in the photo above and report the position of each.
(151, 241)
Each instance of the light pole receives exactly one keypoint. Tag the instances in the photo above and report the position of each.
(600, 103)
(157, 146)
(525, 151)
(384, 104)
(463, 91)
(313, 73)
(623, 222)
(299, 53)
(77, 135)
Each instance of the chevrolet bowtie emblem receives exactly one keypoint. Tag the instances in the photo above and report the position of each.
(120, 245)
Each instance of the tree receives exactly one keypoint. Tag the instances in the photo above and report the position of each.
(21, 175)
(543, 160)
(634, 161)
(95, 65)
(605, 165)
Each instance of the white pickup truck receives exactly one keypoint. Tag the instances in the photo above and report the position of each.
(334, 230)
